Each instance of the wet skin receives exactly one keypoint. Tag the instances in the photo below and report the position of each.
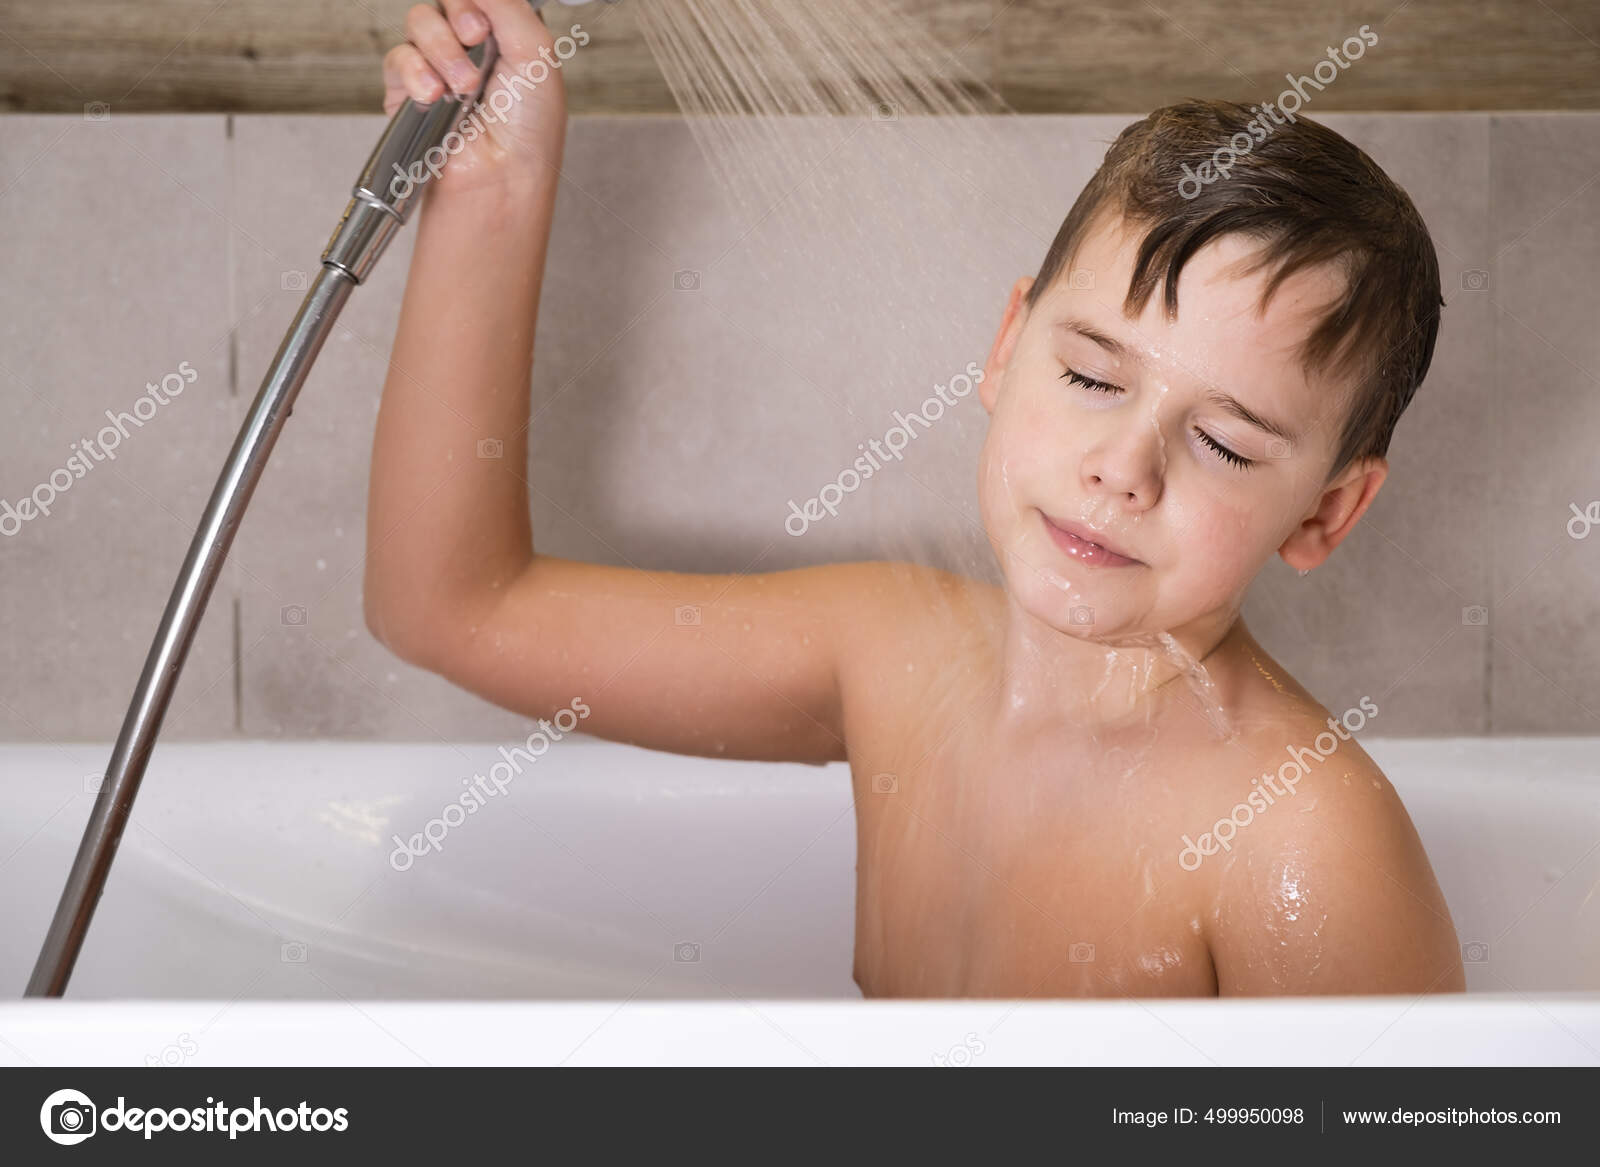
(1047, 768)
(1049, 862)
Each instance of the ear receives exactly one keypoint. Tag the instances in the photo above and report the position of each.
(1005, 343)
(1341, 504)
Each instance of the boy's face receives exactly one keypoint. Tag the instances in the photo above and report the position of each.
(1114, 426)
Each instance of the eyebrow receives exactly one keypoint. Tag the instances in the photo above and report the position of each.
(1236, 407)
(1110, 343)
(1225, 401)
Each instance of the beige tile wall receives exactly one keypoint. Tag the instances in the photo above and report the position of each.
(1544, 659)
(673, 424)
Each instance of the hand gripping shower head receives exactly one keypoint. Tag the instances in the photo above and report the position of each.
(380, 201)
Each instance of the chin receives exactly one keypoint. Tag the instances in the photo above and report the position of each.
(1035, 578)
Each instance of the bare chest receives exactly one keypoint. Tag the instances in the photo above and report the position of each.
(1002, 876)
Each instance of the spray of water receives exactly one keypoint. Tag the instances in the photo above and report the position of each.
(772, 88)
(885, 203)
(812, 116)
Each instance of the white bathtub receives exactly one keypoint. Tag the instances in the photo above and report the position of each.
(700, 911)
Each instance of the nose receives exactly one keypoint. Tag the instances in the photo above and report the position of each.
(1127, 466)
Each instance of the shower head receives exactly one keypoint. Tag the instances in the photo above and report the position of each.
(381, 200)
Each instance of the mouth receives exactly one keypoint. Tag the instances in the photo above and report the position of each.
(1085, 545)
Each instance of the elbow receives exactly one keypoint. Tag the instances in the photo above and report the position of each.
(424, 626)
(397, 631)
(382, 629)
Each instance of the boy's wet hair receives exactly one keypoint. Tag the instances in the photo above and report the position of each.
(1311, 197)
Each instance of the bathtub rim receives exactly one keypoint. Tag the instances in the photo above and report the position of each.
(1478, 1029)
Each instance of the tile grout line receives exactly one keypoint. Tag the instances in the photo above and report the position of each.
(1495, 372)
(230, 277)
(228, 256)
(238, 666)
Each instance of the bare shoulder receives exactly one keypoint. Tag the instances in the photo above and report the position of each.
(911, 608)
(919, 640)
(1320, 883)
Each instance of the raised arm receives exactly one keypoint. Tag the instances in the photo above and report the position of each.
(737, 666)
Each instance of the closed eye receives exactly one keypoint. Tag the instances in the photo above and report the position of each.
(1077, 378)
(1222, 451)
(1072, 376)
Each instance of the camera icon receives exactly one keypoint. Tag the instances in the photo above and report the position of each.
(1474, 280)
(491, 448)
(1475, 952)
(1277, 448)
(1081, 614)
(686, 281)
(293, 616)
(71, 1121)
(96, 111)
(686, 616)
(884, 111)
(1081, 953)
(1475, 615)
(885, 784)
(686, 953)
(1081, 279)
(293, 281)
(292, 952)
(93, 782)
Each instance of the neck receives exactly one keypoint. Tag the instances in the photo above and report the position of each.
(1052, 679)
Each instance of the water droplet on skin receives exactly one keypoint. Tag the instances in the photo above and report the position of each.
(1262, 669)
(1200, 683)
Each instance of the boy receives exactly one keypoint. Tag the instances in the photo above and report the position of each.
(1091, 781)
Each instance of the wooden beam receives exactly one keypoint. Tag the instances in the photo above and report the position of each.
(1137, 55)
(1056, 56)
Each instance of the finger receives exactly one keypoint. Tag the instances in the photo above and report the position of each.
(427, 28)
(467, 19)
(406, 74)
(518, 29)
(395, 88)
(393, 100)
